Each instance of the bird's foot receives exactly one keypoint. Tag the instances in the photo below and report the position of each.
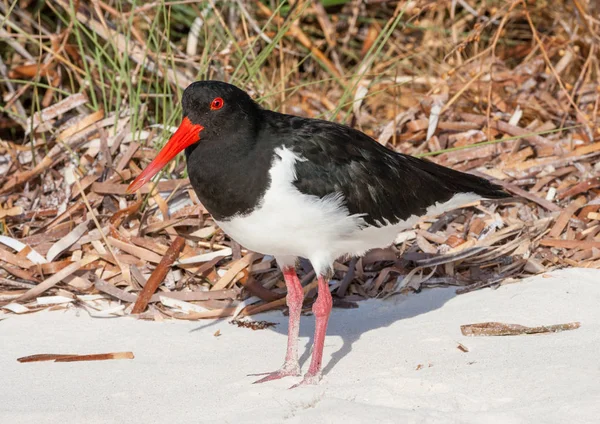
(310, 379)
(287, 370)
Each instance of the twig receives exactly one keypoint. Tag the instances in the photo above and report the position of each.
(98, 226)
(56, 278)
(76, 358)
(501, 329)
(158, 275)
(580, 114)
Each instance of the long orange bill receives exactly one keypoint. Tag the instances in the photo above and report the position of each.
(186, 135)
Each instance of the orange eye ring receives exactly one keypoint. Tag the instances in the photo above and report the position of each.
(217, 103)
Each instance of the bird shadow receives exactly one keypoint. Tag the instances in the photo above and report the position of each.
(351, 324)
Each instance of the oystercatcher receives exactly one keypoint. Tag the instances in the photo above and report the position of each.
(294, 187)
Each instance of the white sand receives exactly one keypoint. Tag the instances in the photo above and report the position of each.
(183, 373)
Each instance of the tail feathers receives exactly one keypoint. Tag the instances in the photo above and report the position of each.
(458, 182)
(478, 185)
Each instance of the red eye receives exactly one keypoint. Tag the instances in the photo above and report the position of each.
(217, 103)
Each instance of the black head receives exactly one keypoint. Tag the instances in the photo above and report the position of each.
(218, 107)
(213, 112)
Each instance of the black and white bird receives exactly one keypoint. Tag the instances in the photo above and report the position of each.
(294, 187)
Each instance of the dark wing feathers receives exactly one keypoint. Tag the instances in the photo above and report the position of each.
(383, 185)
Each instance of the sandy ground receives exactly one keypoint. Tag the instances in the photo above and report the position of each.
(389, 361)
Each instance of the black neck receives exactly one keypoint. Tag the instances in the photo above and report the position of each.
(229, 172)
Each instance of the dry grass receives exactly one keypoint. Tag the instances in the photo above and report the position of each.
(90, 89)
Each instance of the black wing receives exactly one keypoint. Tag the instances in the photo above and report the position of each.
(375, 181)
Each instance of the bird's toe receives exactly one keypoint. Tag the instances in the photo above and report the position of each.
(310, 379)
(285, 371)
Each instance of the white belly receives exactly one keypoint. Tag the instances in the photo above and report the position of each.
(288, 223)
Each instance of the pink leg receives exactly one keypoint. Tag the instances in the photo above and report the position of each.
(294, 298)
(322, 309)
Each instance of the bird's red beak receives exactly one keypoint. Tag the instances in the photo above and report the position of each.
(186, 135)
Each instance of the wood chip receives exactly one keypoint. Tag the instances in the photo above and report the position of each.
(462, 348)
(56, 109)
(56, 278)
(501, 329)
(232, 272)
(564, 217)
(570, 244)
(140, 252)
(67, 241)
(76, 358)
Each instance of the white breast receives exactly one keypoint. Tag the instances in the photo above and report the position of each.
(288, 223)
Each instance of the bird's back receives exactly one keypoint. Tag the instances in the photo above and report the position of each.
(382, 185)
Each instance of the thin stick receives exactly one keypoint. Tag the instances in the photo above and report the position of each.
(549, 64)
(75, 358)
(98, 226)
(97, 357)
(158, 275)
(56, 278)
(492, 62)
(461, 91)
